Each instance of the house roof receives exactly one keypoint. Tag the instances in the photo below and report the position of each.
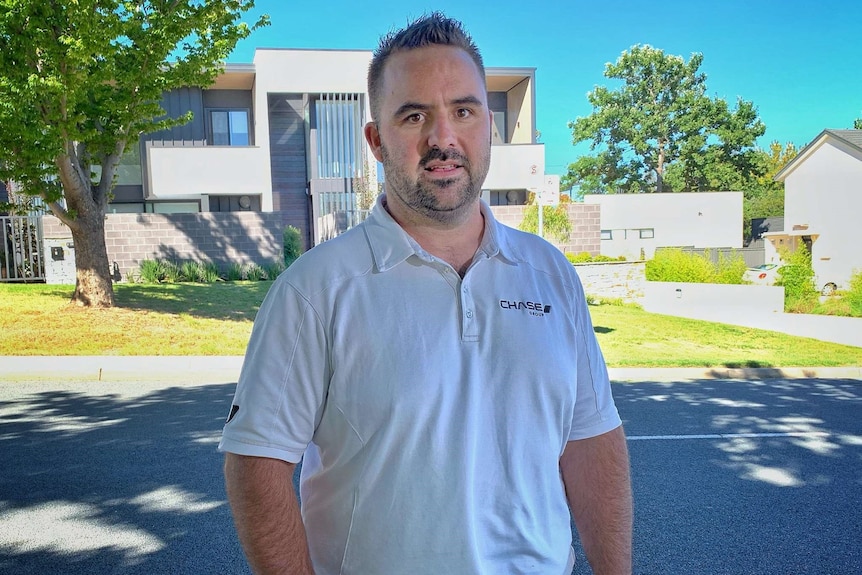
(851, 138)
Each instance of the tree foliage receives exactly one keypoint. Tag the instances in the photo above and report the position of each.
(80, 80)
(660, 131)
(555, 219)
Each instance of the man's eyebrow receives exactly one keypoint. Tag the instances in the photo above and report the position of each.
(410, 107)
(473, 100)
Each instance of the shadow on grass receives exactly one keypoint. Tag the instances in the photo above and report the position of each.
(750, 363)
(238, 301)
(602, 329)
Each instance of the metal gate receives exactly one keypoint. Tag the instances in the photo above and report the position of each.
(21, 252)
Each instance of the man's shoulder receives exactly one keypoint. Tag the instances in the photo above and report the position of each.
(529, 248)
(344, 256)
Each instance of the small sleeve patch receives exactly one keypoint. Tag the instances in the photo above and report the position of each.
(233, 409)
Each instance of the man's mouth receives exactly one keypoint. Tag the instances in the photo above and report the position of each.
(442, 168)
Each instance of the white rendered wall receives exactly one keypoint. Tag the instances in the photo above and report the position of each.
(825, 193)
(701, 220)
(209, 170)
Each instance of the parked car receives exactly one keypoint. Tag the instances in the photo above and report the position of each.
(766, 274)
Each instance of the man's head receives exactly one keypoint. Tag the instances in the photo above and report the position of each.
(432, 125)
(434, 29)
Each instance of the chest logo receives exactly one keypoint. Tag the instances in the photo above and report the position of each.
(532, 307)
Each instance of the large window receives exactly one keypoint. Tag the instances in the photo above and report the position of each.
(228, 127)
(338, 121)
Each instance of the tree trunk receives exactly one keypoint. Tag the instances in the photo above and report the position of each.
(93, 284)
(85, 216)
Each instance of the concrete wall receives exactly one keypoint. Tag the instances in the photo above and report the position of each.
(223, 238)
(706, 300)
(584, 236)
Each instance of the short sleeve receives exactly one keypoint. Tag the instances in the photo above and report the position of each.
(595, 412)
(283, 382)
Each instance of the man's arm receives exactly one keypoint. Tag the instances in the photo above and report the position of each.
(266, 514)
(596, 476)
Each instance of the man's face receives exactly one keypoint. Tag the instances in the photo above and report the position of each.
(433, 134)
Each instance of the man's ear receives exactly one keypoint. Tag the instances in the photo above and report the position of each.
(372, 136)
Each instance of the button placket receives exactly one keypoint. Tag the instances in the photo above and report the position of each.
(470, 329)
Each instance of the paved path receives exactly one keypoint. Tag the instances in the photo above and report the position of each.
(730, 477)
(844, 330)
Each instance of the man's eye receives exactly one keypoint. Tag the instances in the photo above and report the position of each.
(464, 113)
(413, 118)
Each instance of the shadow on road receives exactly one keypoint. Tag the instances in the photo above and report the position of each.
(110, 481)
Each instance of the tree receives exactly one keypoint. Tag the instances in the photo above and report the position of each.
(660, 131)
(80, 80)
(857, 124)
(763, 196)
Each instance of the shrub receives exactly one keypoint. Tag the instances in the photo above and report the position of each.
(166, 271)
(555, 220)
(587, 257)
(274, 269)
(254, 272)
(675, 265)
(797, 277)
(853, 297)
(234, 272)
(292, 244)
(730, 268)
(151, 271)
(159, 271)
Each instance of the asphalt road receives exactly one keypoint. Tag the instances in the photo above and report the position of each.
(730, 477)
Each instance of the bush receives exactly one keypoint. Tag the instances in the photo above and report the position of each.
(730, 269)
(159, 271)
(675, 265)
(555, 220)
(588, 258)
(853, 297)
(797, 277)
(292, 245)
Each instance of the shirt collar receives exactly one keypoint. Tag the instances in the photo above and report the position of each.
(391, 245)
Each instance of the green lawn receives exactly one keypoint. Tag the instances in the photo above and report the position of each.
(216, 319)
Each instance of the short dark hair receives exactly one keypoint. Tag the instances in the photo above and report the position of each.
(434, 29)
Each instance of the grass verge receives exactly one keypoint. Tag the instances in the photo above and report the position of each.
(216, 319)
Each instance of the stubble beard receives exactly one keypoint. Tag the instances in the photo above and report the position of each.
(423, 197)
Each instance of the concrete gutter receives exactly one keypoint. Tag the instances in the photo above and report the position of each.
(220, 369)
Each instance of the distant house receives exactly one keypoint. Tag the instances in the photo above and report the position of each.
(822, 207)
(284, 134)
(635, 224)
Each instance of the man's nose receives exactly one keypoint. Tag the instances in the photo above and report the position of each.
(441, 133)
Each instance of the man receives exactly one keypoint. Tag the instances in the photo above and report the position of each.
(437, 371)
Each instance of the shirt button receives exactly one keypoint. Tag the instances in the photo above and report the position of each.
(469, 314)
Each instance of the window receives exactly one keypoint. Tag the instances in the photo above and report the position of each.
(228, 127)
(338, 121)
(647, 234)
(607, 235)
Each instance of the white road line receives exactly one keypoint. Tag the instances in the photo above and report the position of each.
(729, 436)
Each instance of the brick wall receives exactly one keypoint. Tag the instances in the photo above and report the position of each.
(220, 237)
(586, 226)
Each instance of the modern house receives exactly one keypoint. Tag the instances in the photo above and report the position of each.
(634, 225)
(822, 204)
(284, 134)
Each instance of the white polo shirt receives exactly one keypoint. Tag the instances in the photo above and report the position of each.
(432, 411)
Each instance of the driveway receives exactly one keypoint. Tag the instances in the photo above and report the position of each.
(844, 330)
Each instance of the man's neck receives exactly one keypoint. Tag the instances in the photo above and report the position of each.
(455, 244)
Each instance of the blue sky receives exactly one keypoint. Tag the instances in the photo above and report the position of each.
(798, 61)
